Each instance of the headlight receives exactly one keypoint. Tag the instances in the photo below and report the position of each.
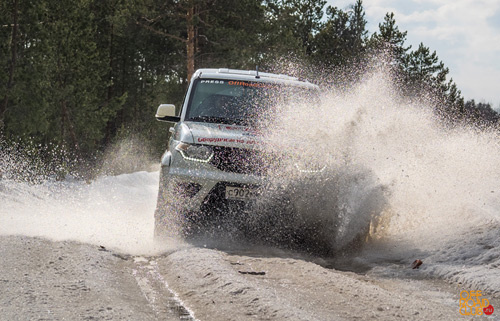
(196, 153)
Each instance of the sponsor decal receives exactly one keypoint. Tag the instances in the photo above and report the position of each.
(471, 303)
(227, 140)
(220, 140)
(251, 84)
(218, 82)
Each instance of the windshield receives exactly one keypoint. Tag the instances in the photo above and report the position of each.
(240, 102)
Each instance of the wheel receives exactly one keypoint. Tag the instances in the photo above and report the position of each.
(163, 212)
(170, 217)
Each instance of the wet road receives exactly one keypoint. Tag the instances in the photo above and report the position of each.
(46, 280)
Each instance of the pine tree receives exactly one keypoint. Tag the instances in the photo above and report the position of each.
(426, 76)
(357, 29)
(8, 49)
(331, 42)
(390, 40)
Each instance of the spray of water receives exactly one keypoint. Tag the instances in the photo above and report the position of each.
(439, 185)
(111, 211)
(434, 191)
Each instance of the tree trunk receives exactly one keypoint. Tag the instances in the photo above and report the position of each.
(110, 91)
(191, 42)
(110, 125)
(71, 129)
(3, 106)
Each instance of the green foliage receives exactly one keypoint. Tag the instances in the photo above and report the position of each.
(332, 42)
(391, 41)
(426, 76)
(297, 21)
(84, 74)
(58, 77)
(481, 114)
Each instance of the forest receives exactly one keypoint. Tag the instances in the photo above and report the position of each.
(81, 75)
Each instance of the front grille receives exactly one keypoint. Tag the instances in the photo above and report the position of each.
(240, 160)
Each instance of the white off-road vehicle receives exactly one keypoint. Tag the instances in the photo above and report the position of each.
(215, 159)
(218, 165)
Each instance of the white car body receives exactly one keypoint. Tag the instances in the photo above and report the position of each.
(212, 165)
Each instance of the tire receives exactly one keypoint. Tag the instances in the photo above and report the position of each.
(170, 220)
(163, 209)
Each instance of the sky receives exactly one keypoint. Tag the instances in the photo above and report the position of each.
(464, 33)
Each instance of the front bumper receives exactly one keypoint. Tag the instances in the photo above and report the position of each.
(200, 186)
(196, 189)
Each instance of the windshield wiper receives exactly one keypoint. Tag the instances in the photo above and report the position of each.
(213, 119)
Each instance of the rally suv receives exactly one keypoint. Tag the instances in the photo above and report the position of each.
(217, 163)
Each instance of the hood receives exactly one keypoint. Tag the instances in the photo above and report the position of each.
(224, 135)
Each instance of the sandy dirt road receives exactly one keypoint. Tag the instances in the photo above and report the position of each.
(46, 280)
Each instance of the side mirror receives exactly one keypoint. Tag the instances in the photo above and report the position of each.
(166, 112)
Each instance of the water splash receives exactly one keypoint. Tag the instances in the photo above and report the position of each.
(439, 186)
(442, 184)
